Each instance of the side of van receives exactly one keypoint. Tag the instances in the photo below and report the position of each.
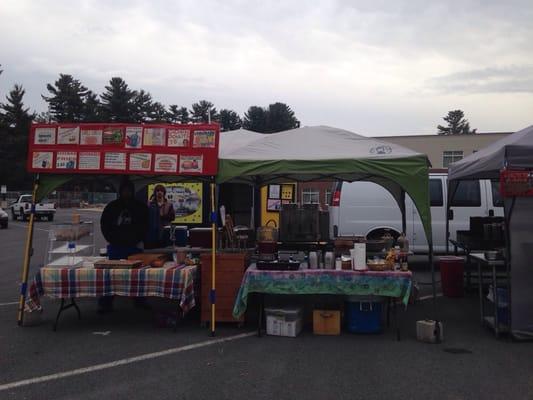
(367, 209)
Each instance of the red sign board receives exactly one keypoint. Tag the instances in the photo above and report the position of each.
(155, 149)
(516, 183)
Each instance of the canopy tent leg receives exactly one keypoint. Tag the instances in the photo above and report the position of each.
(213, 258)
(451, 194)
(27, 255)
(404, 220)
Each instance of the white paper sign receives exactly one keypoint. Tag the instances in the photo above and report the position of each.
(166, 163)
(68, 135)
(140, 161)
(154, 137)
(42, 159)
(179, 138)
(91, 137)
(45, 136)
(66, 160)
(115, 161)
(134, 137)
(89, 160)
(190, 164)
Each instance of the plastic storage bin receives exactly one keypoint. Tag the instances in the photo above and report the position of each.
(283, 321)
(451, 275)
(326, 322)
(363, 316)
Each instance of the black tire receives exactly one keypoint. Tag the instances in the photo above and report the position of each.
(50, 217)
(13, 215)
(4, 226)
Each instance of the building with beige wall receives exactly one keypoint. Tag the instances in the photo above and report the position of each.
(445, 149)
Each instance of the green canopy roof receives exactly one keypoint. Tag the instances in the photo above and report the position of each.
(326, 153)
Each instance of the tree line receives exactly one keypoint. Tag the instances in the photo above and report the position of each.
(69, 100)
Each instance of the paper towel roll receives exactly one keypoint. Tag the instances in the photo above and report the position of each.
(358, 254)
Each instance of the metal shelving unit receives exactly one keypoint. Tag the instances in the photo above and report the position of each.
(68, 243)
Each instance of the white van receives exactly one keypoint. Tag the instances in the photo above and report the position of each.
(365, 208)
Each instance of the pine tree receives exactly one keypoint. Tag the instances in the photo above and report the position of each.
(280, 117)
(92, 111)
(142, 106)
(229, 120)
(457, 124)
(203, 111)
(158, 113)
(118, 102)
(178, 115)
(16, 121)
(66, 103)
(255, 119)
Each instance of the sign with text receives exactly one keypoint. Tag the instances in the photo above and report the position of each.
(151, 149)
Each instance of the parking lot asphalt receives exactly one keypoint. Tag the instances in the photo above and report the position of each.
(125, 355)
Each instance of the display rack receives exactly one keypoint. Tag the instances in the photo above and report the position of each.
(69, 243)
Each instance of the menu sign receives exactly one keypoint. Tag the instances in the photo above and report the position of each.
(191, 164)
(140, 161)
(45, 136)
(42, 160)
(166, 163)
(178, 137)
(89, 160)
(113, 136)
(115, 161)
(124, 148)
(69, 135)
(91, 137)
(66, 159)
(154, 136)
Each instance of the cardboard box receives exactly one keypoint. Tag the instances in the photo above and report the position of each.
(283, 321)
(326, 322)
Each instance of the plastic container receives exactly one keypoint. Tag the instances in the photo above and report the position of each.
(283, 321)
(451, 275)
(363, 316)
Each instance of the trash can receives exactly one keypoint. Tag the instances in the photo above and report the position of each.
(451, 276)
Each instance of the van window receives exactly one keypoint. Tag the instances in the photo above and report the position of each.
(468, 194)
(435, 193)
(497, 200)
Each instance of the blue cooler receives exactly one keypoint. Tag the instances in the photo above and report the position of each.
(363, 316)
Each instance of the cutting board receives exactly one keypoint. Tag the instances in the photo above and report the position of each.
(118, 264)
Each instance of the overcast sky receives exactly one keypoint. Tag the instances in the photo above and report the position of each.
(373, 67)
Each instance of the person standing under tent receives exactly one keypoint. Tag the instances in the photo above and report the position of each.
(124, 223)
(161, 213)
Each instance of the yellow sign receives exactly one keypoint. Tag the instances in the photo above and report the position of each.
(186, 198)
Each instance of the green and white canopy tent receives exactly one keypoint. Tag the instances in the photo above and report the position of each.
(325, 153)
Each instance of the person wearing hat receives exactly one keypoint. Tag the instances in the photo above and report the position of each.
(124, 223)
(161, 213)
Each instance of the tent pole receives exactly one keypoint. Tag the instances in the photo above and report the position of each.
(27, 255)
(213, 258)
(404, 222)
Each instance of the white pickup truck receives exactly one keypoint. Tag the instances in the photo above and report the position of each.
(22, 209)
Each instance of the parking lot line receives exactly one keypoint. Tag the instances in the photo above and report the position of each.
(124, 361)
(26, 227)
(9, 304)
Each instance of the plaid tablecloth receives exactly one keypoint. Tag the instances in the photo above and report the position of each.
(320, 281)
(64, 283)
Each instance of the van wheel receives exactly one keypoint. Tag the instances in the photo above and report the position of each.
(378, 234)
(13, 215)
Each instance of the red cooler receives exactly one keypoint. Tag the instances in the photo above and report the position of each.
(451, 276)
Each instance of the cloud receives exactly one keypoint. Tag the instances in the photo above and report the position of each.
(510, 79)
(372, 67)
